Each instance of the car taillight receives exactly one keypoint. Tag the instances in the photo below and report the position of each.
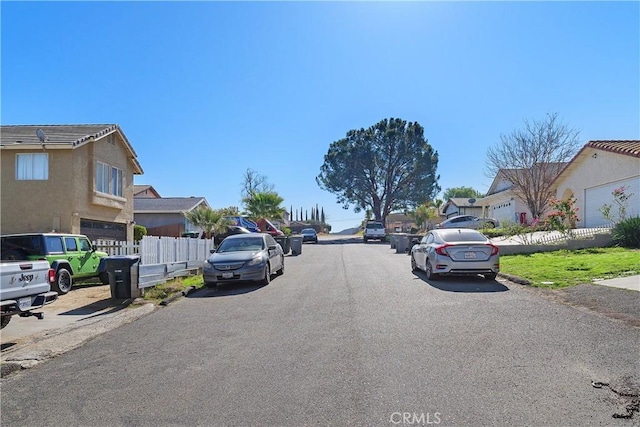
(442, 250)
(52, 275)
(494, 249)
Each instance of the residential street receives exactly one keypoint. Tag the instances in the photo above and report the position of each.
(347, 336)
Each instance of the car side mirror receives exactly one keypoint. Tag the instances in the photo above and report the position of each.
(271, 247)
(212, 251)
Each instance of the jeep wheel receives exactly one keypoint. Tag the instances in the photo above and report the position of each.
(104, 278)
(63, 281)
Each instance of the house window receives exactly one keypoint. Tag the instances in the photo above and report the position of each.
(116, 182)
(109, 179)
(32, 166)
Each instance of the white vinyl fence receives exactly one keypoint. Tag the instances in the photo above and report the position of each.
(159, 250)
(161, 258)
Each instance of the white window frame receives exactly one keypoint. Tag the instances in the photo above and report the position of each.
(109, 179)
(116, 181)
(32, 167)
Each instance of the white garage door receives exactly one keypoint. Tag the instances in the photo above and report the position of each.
(596, 197)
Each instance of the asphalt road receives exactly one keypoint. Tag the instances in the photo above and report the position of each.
(347, 336)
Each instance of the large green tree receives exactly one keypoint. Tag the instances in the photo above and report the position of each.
(264, 205)
(462, 192)
(388, 167)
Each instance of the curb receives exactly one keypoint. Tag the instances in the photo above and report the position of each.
(515, 279)
(184, 293)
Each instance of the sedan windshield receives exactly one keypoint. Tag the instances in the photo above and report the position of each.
(241, 245)
(462, 236)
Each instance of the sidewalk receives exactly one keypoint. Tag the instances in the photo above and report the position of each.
(629, 282)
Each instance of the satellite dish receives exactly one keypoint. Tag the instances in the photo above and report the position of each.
(472, 201)
(41, 136)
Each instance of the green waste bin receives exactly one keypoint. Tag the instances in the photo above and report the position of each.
(284, 242)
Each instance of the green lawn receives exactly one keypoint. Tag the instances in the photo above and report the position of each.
(568, 268)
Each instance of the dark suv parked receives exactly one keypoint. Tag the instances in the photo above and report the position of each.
(72, 256)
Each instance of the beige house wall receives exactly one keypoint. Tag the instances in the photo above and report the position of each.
(588, 171)
(69, 195)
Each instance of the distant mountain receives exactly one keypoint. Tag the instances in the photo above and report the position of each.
(348, 231)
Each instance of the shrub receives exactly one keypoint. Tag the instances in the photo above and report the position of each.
(493, 232)
(138, 232)
(626, 233)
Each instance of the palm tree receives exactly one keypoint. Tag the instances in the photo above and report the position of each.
(212, 221)
(264, 205)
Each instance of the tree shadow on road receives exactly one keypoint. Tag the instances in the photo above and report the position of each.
(470, 284)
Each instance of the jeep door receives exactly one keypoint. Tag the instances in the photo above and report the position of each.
(88, 260)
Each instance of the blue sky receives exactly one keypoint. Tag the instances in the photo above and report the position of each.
(206, 90)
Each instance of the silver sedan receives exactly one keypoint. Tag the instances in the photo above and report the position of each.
(244, 257)
(455, 251)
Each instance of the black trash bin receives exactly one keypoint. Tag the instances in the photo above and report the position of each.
(123, 275)
(284, 242)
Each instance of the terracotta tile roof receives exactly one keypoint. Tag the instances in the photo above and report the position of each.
(629, 147)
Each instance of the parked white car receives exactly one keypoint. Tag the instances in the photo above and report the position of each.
(468, 221)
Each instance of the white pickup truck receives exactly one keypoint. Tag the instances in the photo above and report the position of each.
(25, 286)
(374, 230)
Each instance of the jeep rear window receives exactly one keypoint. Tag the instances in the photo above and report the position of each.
(375, 225)
(54, 244)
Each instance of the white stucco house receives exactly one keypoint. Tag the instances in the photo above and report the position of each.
(502, 203)
(594, 172)
(461, 206)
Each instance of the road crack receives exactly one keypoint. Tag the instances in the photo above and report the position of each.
(633, 400)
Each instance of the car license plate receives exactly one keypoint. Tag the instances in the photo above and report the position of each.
(24, 303)
(469, 255)
(227, 275)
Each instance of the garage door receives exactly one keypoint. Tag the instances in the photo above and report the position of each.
(95, 230)
(596, 197)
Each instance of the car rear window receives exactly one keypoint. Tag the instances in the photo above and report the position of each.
(463, 236)
(374, 225)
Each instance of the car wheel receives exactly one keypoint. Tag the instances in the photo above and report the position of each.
(267, 275)
(414, 266)
(4, 321)
(429, 271)
(366, 240)
(490, 224)
(63, 281)
(281, 271)
(490, 276)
